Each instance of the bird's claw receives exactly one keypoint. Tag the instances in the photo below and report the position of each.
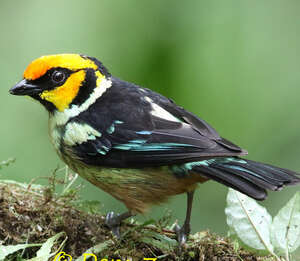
(181, 233)
(113, 223)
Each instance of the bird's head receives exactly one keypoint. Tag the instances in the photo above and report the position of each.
(60, 81)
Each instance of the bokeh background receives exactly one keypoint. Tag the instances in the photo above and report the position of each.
(236, 64)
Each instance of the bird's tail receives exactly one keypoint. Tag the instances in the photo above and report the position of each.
(247, 176)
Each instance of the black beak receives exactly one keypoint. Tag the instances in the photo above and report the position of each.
(25, 88)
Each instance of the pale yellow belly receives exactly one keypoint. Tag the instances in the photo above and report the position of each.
(138, 189)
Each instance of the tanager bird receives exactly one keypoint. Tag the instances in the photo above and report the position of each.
(134, 143)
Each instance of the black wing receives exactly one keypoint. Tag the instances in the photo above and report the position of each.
(141, 128)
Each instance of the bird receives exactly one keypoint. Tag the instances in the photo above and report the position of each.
(134, 143)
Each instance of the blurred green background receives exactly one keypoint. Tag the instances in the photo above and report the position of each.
(234, 63)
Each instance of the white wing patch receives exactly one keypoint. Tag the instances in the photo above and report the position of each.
(62, 117)
(161, 112)
(77, 133)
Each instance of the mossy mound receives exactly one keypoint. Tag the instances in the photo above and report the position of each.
(34, 213)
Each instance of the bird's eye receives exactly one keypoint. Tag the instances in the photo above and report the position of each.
(58, 76)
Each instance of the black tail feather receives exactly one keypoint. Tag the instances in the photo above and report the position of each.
(235, 182)
(249, 177)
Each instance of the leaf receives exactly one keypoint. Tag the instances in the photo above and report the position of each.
(158, 240)
(97, 249)
(7, 250)
(147, 223)
(250, 221)
(45, 250)
(285, 230)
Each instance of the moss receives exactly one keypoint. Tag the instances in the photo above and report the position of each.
(33, 213)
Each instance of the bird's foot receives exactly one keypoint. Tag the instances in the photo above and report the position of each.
(113, 221)
(182, 233)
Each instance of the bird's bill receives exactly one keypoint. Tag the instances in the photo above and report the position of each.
(25, 88)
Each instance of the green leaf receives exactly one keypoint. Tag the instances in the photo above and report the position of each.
(285, 232)
(44, 252)
(7, 250)
(97, 249)
(147, 223)
(158, 240)
(250, 221)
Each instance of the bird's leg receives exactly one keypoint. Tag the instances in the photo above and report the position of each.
(113, 221)
(184, 231)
